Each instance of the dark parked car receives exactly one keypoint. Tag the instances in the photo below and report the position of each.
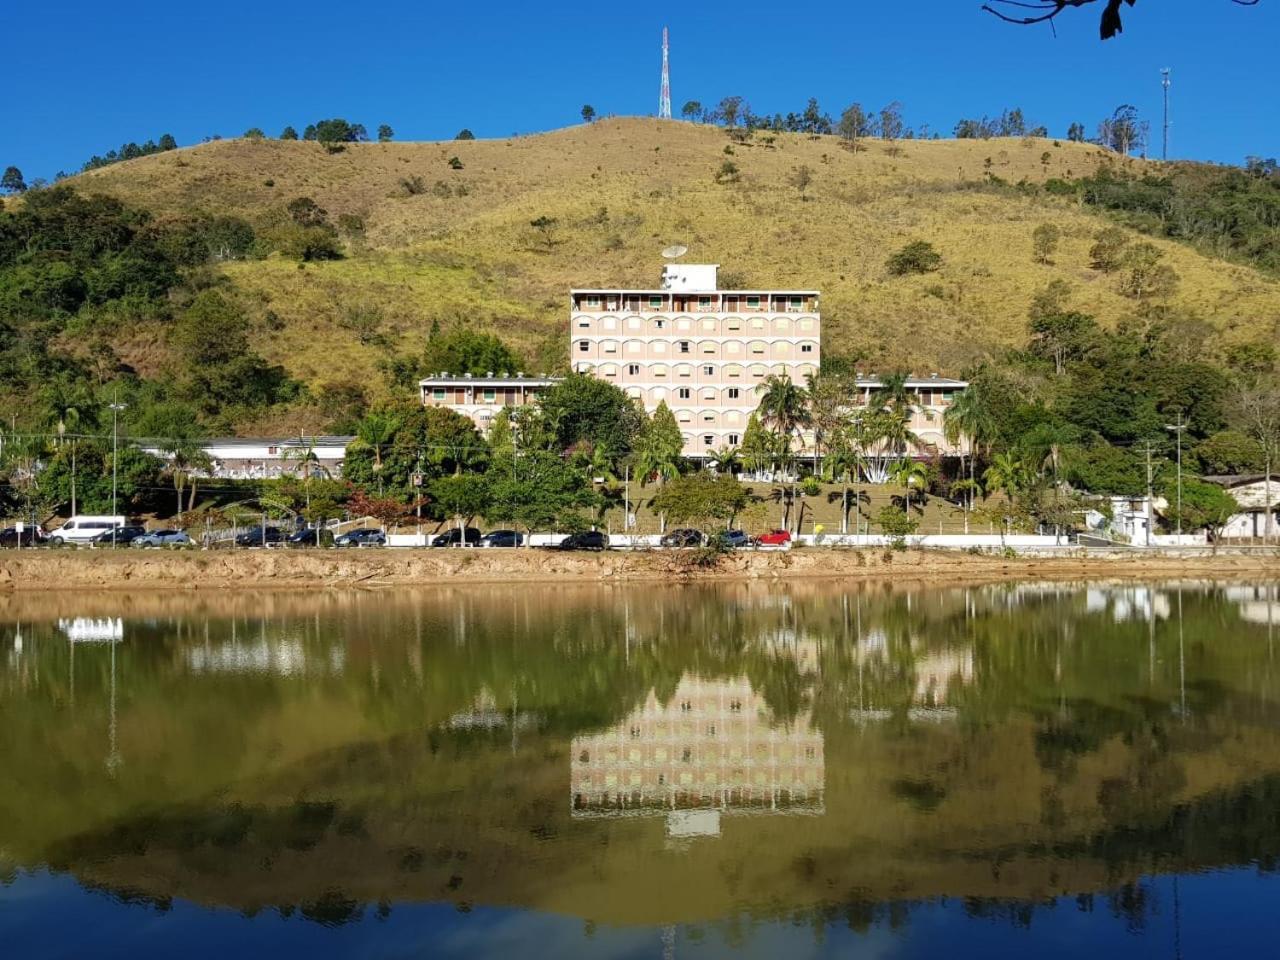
(363, 537)
(731, 539)
(258, 537)
(454, 537)
(682, 537)
(163, 538)
(120, 536)
(588, 540)
(30, 537)
(311, 537)
(502, 538)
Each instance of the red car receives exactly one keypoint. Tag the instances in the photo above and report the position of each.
(775, 538)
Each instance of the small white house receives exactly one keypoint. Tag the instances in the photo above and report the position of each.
(1254, 493)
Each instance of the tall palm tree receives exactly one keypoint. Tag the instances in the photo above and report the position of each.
(784, 406)
(844, 461)
(376, 431)
(185, 457)
(970, 416)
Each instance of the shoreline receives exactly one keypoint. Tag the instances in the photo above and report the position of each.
(200, 572)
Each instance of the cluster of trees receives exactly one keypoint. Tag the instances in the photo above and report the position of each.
(76, 273)
(131, 151)
(1221, 210)
(1010, 123)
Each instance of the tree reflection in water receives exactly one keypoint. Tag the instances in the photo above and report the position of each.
(724, 755)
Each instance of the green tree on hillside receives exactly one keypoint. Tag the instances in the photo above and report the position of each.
(854, 126)
(1107, 252)
(12, 181)
(1044, 241)
(916, 257)
(219, 369)
(385, 133)
(1144, 276)
(692, 110)
(465, 134)
(462, 351)
(1075, 133)
(288, 133)
(588, 113)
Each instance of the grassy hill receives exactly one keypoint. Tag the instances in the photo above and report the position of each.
(456, 245)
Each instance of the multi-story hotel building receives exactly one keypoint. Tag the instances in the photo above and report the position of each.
(701, 350)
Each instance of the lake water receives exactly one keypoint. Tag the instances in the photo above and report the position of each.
(743, 770)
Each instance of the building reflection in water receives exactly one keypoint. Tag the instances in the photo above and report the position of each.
(711, 750)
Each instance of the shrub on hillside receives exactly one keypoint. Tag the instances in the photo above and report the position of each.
(916, 257)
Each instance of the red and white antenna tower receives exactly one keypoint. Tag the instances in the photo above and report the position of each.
(664, 99)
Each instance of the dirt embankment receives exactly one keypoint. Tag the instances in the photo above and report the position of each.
(135, 570)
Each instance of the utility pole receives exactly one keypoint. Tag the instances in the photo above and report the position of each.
(1164, 82)
(116, 407)
(1177, 431)
(1151, 511)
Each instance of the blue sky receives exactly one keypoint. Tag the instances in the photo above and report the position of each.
(93, 75)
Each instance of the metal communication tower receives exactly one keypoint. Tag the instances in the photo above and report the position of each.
(1164, 82)
(664, 98)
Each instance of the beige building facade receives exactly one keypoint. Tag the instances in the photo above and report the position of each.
(480, 399)
(701, 350)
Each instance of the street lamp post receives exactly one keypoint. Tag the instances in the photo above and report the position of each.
(116, 407)
(1177, 429)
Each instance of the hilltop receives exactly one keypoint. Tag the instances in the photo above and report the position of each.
(435, 241)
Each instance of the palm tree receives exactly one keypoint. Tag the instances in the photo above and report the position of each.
(1007, 473)
(845, 459)
(969, 415)
(304, 454)
(724, 459)
(376, 431)
(910, 473)
(185, 457)
(785, 408)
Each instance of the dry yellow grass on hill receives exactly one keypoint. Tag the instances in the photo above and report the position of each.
(463, 249)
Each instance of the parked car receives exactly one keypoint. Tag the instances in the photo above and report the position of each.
(259, 536)
(731, 539)
(311, 537)
(83, 528)
(775, 538)
(502, 538)
(587, 540)
(31, 536)
(119, 536)
(682, 537)
(163, 538)
(364, 537)
(454, 537)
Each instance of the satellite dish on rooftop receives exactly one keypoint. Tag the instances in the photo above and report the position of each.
(675, 250)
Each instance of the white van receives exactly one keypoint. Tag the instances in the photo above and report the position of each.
(83, 528)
